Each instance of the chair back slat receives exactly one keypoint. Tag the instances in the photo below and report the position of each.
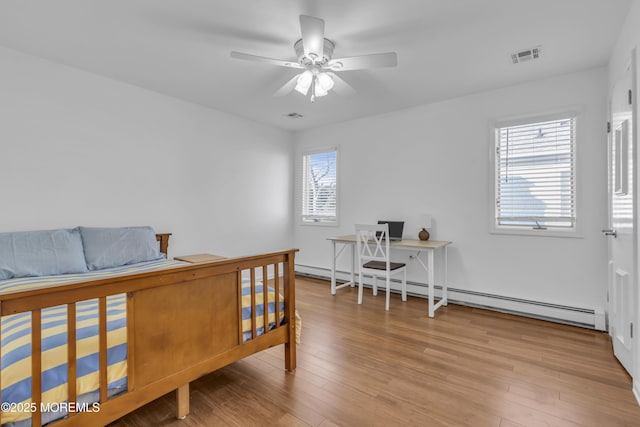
(372, 242)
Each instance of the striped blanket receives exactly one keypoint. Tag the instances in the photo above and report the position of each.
(15, 333)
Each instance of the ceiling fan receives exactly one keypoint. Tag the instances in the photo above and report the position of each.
(314, 53)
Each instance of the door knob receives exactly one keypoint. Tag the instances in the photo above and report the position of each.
(610, 232)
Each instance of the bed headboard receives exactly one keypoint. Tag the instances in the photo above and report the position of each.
(163, 238)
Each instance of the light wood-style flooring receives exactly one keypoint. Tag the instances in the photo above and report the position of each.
(362, 366)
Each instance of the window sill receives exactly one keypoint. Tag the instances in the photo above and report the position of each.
(517, 231)
(319, 223)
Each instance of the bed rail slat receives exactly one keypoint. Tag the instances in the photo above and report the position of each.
(36, 366)
(265, 299)
(102, 333)
(71, 355)
(254, 313)
(290, 315)
(276, 291)
(131, 341)
(239, 286)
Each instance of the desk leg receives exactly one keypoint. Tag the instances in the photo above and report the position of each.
(333, 269)
(445, 289)
(353, 265)
(431, 279)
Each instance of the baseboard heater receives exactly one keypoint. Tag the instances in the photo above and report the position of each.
(575, 316)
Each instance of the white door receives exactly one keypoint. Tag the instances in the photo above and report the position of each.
(622, 218)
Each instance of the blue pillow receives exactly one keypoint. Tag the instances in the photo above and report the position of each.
(41, 253)
(113, 247)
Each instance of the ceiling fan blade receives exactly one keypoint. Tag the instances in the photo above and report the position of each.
(265, 60)
(376, 60)
(312, 30)
(340, 86)
(287, 87)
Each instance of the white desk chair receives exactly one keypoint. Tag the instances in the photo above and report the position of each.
(373, 258)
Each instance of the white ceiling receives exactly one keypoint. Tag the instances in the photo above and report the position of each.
(446, 48)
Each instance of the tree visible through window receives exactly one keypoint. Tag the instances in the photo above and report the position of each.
(535, 175)
(319, 181)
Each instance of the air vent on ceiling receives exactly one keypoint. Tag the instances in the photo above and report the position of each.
(526, 55)
(294, 115)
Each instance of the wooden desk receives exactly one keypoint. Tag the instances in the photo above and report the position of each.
(198, 258)
(427, 246)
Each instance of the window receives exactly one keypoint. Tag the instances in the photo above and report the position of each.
(319, 187)
(535, 185)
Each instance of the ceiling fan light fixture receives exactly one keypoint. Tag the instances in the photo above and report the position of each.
(304, 82)
(302, 90)
(318, 91)
(324, 82)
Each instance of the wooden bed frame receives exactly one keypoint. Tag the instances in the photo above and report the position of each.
(182, 323)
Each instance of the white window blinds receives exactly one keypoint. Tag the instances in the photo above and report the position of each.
(535, 175)
(319, 182)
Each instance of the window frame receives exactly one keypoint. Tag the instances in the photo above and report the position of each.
(494, 228)
(301, 182)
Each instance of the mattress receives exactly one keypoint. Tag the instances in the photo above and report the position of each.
(15, 331)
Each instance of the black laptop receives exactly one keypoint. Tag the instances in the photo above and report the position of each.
(395, 230)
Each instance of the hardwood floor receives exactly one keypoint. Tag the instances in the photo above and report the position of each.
(362, 366)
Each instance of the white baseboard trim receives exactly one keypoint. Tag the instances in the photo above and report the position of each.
(576, 316)
(636, 390)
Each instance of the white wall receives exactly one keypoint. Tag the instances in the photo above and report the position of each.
(80, 149)
(435, 159)
(628, 40)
